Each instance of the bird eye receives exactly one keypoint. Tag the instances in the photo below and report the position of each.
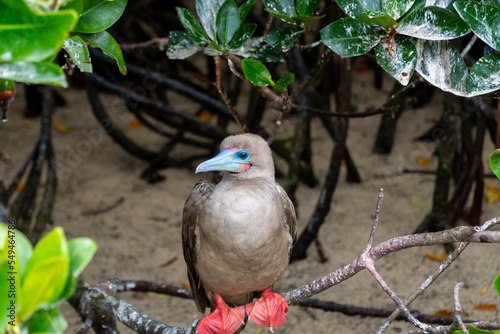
(243, 155)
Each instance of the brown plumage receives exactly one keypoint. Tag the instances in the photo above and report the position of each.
(237, 235)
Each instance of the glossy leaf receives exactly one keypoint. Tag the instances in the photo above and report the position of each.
(245, 8)
(256, 72)
(46, 322)
(349, 37)
(396, 8)
(484, 20)
(26, 35)
(378, 18)
(104, 41)
(281, 7)
(439, 3)
(81, 251)
(256, 48)
(356, 7)
(495, 167)
(78, 51)
(227, 21)
(296, 12)
(181, 46)
(284, 38)
(242, 35)
(193, 28)
(45, 274)
(284, 82)
(207, 12)
(440, 64)
(485, 75)
(6, 86)
(433, 23)
(306, 7)
(42, 73)
(98, 15)
(401, 63)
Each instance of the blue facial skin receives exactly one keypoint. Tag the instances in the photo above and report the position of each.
(228, 160)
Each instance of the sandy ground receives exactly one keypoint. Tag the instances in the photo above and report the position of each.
(137, 237)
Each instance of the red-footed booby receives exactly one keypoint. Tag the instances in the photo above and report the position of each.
(237, 237)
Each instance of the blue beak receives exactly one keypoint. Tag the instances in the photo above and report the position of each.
(224, 161)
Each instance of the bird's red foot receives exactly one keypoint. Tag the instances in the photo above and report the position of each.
(223, 320)
(269, 310)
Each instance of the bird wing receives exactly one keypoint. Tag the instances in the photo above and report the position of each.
(190, 225)
(290, 216)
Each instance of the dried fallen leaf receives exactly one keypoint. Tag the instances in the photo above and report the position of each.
(436, 257)
(485, 307)
(169, 262)
(205, 116)
(135, 124)
(493, 193)
(61, 127)
(424, 161)
(158, 219)
(443, 313)
(20, 186)
(485, 288)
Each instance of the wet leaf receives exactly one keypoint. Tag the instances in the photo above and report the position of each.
(193, 28)
(181, 46)
(99, 15)
(306, 7)
(356, 7)
(440, 64)
(29, 36)
(245, 8)
(207, 12)
(295, 12)
(242, 35)
(78, 51)
(104, 41)
(256, 72)
(256, 48)
(378, 18)
(45, 73)
(433, 23)
(484, 75)
(495, 162)
(349, 37)
(227, 21)
(396, 8)
(484, 20)
(400, 64)
(284, 82)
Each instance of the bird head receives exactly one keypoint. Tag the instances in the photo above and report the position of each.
(242, 156)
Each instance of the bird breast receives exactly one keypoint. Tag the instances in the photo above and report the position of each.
(243, 241)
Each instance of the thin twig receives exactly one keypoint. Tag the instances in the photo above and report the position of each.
(375, 221)
(458, 308)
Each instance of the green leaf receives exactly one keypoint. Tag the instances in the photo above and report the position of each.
(81, 251)
(284, 38)
(379, 18)
(42, 73)
(281, 7)
(99, 15)
(349, 37)
(483, 19)
(284, 82)
(356, 7)
(258, 49)
(401, 63)
(78, 51)
(495, 167)
(24, 250)
(193, 28)
(440, 64)
(242, 35)
(45, 322)
(433, 23)
(496, 282)
(6, 86)
(245, 8)
(181, 46)
(306, 7)
(207, 12)
(45, 274)
(29, 36)
(396, 8)
(104, 41)
(227, 21)
(257, 73)
(484, 75)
